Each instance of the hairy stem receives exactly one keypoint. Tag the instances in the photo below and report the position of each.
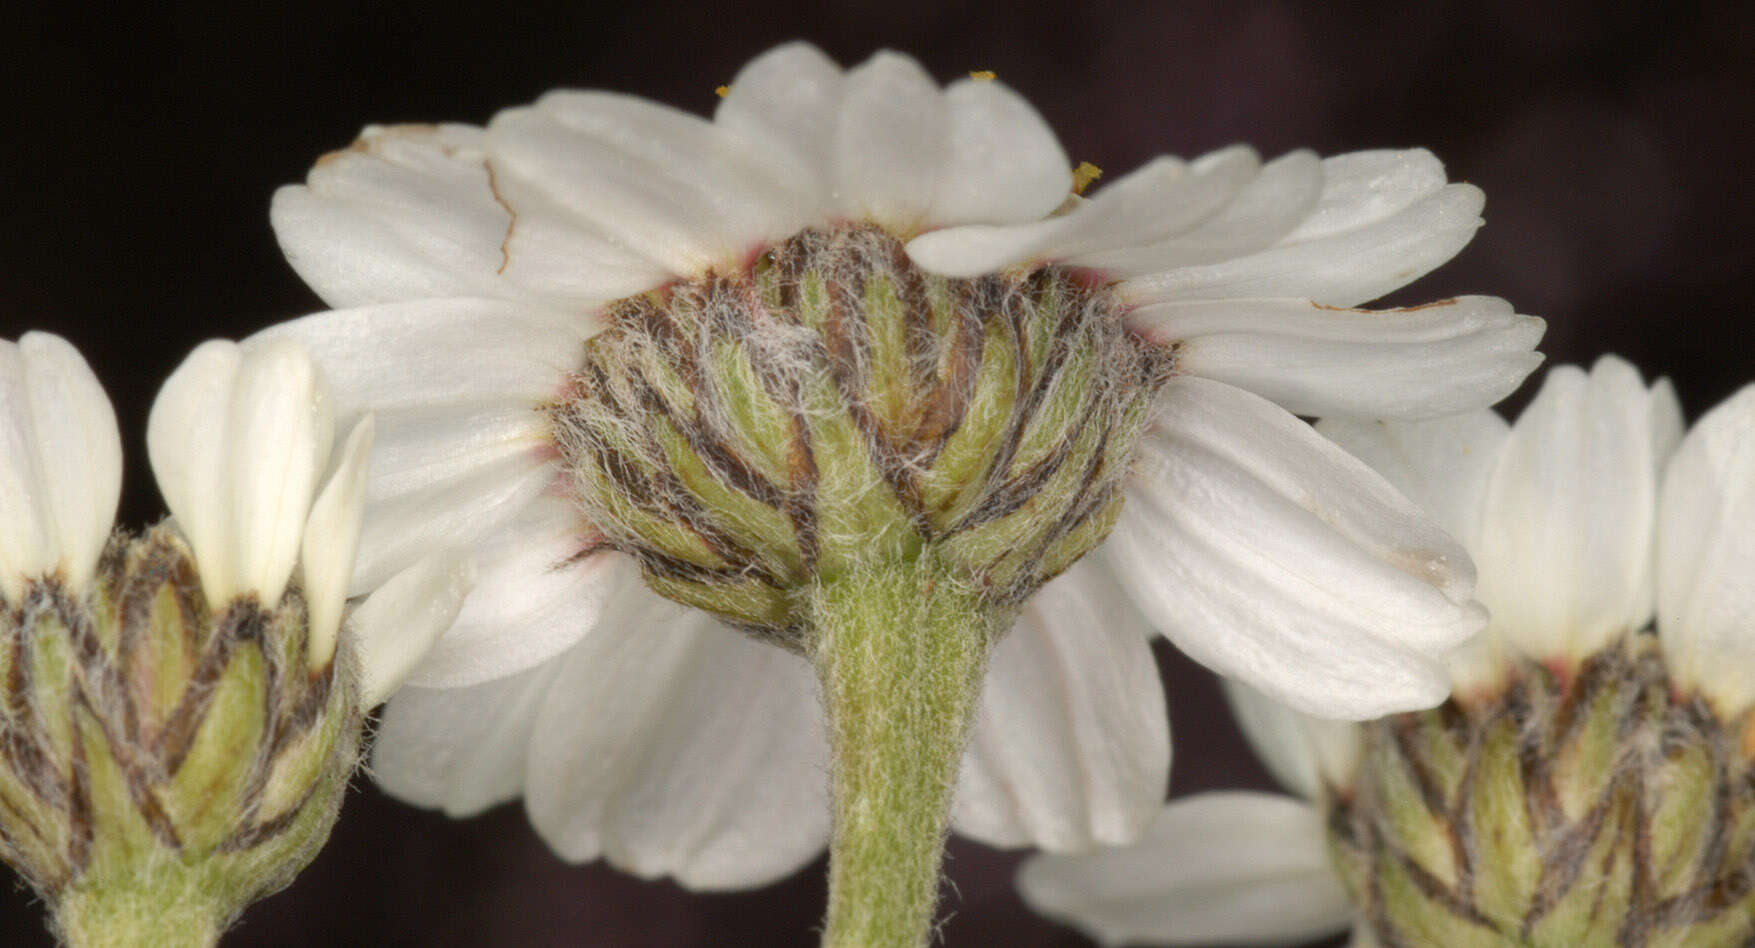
(164, 913)
(900, 649)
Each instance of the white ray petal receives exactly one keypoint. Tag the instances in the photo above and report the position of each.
(332, 533)
(1441, 464)
(1160, 200)
(188, 443)
(461, 750)
(437, 352)
(785, 104)
(1263, 212)
(1071, 742)
(892, 134)
(26, 549)
(673, 745)
(396, 625)
(1706, 557)
(459, 389)
(279, 431)
(1002, 164)
(477, 496)
(60, 463)
(1341, 269)
(406, 212)
(667, 185)
(1301, 752)
(1214, 869)
(1436, 359)
(1267, 553)
(535, 595)
(1566, 546)
(1363, 188)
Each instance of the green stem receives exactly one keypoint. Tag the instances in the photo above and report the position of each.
(125, 916)
(900, 649)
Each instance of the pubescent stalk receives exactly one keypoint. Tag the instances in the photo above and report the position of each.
(900, 649)
(170, 910)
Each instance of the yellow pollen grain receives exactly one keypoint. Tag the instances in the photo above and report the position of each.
(722, 91)
(1083, 175)
(983, 75)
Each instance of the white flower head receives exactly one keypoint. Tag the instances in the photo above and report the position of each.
(485, 270)
(1589, 508)
(184, 706)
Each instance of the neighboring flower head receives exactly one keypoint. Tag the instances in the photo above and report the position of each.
(1591, 780)
(857, 314)
(1559, 511)
(195, 690)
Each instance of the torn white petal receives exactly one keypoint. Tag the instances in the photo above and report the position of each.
(405, 212)
(669, 186)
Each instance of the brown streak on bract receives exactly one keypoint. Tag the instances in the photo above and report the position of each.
(947, 403)
(1565, 853)
(253, 834)
(845, 342)
(1435, 890)
(139, 781)
(79, 816)
(1636, 926)
(173, 742)
(1405, 729)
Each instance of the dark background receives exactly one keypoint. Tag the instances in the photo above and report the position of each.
(1612, 142)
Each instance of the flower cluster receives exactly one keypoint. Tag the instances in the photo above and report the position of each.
(819, 472)
(859, 315)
